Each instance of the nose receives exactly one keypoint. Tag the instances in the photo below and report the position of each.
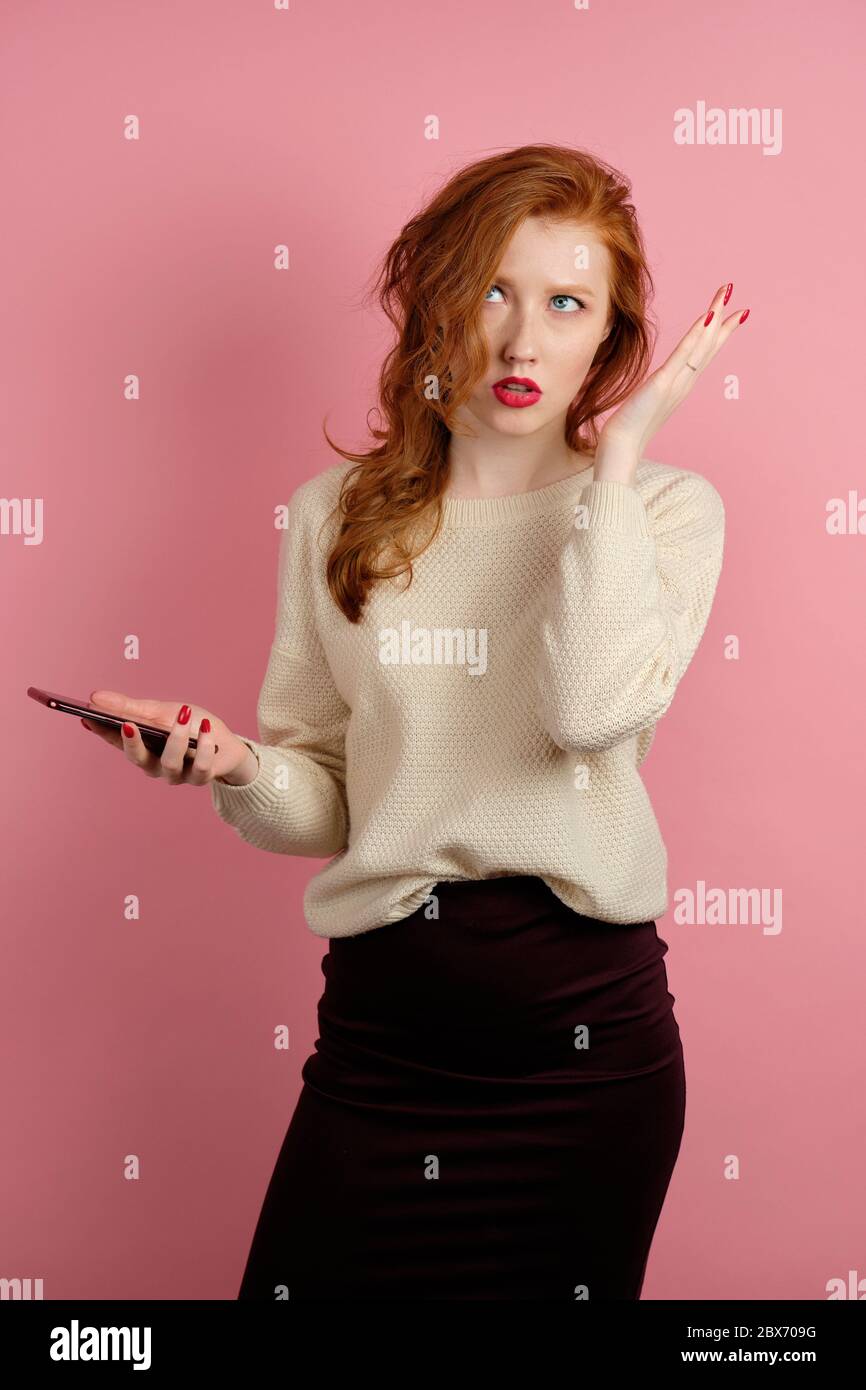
(519, 342)
(519, 351)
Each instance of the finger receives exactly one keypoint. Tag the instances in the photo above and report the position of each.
(711, 344)
(107, 735)
(173, 764)
(729, 326)
(201, 770)
(136, 751)
(695, 350)
(114, 702)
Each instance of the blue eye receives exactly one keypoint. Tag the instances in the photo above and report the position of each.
(572, 297)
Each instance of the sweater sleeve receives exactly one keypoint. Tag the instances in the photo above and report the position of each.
(626, 608)
(296, 804)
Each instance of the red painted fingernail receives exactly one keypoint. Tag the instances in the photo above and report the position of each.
(707, 319)
(185, 712)
(728, 292)
(86, 725)
(129, 731)
(204, 727)
(744, 315)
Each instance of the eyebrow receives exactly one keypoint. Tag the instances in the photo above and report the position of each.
(552, 289)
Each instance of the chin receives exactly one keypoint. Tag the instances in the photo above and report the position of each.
(509, 421)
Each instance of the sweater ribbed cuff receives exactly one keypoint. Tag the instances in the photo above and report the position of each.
(299, 815)
(615, 506)
(259, 793)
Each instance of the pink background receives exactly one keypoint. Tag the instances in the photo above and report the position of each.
(155, 257)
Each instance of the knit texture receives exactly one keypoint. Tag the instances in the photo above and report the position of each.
(491, 718)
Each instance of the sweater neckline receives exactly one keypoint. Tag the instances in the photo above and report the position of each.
(481, 511)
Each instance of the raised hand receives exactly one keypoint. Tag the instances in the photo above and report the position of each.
(626, 433)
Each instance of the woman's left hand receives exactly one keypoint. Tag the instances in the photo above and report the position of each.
(627, 431)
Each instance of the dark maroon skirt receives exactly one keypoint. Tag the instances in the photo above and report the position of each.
(493, 1109)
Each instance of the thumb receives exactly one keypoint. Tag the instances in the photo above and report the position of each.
(113, 702)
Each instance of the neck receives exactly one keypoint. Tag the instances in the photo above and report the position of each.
(507, 476)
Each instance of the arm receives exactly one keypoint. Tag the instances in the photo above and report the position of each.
(296, 803)
(627, 606)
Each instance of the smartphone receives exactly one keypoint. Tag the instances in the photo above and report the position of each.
(152, 737)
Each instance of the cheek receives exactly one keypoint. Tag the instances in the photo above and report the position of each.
(573, 365)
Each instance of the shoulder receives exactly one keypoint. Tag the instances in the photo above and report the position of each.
(313, 520)
(318, 495)
(311, 508)
(679, 496)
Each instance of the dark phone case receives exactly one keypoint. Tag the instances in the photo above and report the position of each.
(152, 737)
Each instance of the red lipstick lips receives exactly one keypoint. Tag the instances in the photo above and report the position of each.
(517, 391)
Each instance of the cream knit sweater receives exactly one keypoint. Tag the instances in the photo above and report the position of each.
(491, 718)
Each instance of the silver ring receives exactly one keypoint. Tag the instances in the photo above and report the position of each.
(694, 369)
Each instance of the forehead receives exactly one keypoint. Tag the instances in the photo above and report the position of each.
(540, 249)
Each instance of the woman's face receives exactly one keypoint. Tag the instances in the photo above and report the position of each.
(543, 319)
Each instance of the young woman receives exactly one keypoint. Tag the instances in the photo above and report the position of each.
(480, 622)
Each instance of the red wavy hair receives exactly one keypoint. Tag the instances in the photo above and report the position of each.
(431, 285)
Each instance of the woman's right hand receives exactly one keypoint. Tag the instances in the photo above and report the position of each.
(235, 763)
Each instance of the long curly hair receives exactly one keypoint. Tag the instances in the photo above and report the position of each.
(431, 285)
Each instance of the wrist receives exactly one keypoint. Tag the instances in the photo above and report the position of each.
(616, 461)
(246, 773)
